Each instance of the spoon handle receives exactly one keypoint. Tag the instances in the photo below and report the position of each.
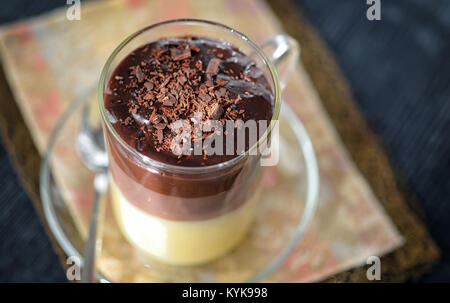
(94, 240)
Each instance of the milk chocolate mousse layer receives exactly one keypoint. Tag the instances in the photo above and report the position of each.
(173, 79)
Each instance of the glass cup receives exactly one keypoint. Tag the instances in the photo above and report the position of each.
(190, 215)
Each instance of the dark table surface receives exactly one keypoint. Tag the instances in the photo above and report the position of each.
(399, 71)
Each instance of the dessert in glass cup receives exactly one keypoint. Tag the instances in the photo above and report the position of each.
(175, 99)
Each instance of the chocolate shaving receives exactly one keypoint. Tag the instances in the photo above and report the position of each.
(204, 97)
(221, 82)
(148, 85)
(216, 112)
(160, 126)
(220, 92)
(155, 119)
(213, 66)
(149, 96)
(128, 121)
(209, 82)
(194, 48)
(169, 100)
(139, 74)
(160, 135)
(180, 54)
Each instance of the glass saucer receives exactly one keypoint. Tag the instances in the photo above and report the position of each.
(287, 206)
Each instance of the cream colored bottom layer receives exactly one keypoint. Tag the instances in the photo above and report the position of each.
(182, 242)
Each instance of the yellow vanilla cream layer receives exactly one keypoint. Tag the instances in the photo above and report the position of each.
(182, 242)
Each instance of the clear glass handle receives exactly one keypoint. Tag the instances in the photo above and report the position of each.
(284, 52)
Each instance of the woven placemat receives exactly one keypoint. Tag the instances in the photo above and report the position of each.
(409, 261)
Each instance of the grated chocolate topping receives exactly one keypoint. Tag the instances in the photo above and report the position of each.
(177, 78)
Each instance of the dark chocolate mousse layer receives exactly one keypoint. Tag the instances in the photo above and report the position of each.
(173, 79)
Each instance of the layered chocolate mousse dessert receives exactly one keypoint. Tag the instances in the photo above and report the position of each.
(183, 216)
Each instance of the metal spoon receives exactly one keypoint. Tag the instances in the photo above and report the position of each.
(91, 148)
